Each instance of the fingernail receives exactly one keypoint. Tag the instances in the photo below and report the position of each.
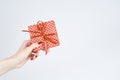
(31, 58)
(36, 56)
(39, 42)
(32, 55)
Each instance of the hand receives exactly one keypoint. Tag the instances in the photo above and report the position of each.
(25, 53)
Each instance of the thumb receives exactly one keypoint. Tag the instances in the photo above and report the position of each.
(31, 47)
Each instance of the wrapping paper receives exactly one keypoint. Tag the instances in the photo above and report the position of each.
(44, 33)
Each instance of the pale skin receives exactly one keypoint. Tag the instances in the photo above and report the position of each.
(20, 58)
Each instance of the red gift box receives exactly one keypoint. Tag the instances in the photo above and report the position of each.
(43, 33)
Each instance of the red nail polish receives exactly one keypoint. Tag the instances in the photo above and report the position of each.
(31, 58)
(39, 42)
(32, 55)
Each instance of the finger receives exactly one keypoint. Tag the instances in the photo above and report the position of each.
(34, 56)
(35, 50)
(28, 44)
(31, 56)
(31, 47)
(24, 44)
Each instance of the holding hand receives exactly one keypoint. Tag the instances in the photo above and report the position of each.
(24, 53)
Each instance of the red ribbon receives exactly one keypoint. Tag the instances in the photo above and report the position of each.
(41, 30)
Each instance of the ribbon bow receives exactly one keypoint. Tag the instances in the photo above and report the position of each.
(46, 37)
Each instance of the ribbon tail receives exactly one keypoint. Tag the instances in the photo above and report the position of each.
(25, 31)
(46, 48)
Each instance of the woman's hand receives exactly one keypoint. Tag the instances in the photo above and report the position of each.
(24, 53)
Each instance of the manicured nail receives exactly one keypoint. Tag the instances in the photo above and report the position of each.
(39, 42)
(36, 56)
(32, 55)
(31, 58)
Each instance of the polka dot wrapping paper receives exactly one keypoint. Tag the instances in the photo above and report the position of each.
(43, 33)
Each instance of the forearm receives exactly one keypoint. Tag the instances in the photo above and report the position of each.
(7, 65)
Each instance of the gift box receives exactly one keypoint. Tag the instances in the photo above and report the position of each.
(43, 33)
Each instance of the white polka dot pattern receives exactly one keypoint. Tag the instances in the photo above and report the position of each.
(49, 28)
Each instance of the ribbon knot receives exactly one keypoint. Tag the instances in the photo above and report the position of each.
(41, 33)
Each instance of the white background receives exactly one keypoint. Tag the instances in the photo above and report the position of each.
(89, 33)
